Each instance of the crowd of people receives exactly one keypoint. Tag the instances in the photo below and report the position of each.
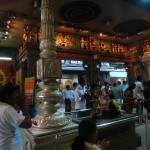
(82, 97)
(124, 96)
(108, 100)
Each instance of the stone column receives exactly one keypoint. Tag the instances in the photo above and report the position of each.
(48, 70)
(92, 71)
(130, 73)
(146, 70)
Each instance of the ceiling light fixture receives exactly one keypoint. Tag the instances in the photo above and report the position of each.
(108, 22)
(5, 58)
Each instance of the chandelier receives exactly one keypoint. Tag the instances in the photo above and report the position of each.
(6, 19)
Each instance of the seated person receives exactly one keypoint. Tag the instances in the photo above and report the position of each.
(87, 138)
(113, 109)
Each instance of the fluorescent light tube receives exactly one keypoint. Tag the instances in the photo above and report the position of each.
(5, 58)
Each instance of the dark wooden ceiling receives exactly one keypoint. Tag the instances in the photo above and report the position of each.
(123, 21)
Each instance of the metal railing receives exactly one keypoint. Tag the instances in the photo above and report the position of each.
(139, 108)
(114, 123)
(139, 117)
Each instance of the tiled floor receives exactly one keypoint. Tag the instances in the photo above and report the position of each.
(141, 130)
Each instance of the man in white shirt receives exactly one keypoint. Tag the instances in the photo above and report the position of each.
(75, 84)
(79, 96)
(10, 119)
(139, 93)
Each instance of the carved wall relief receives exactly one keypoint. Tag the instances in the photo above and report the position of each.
(146, 45)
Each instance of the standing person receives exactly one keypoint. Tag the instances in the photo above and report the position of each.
(117, 92)
(75, 84)
(92, 98)
(88, 136)
(147, 96)
(139, 93)
(124, 86)
(80, 96)
(119, 85)
(11, 119)
(129, 98)
(67, 96)
(104, 91)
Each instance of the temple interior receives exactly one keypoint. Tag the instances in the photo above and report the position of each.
(47, 45)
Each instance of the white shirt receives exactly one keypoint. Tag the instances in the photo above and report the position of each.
(92, 146)
(10, 136)
(139, 90)
(79, 102)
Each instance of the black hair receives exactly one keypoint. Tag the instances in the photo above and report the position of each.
(111, 95)
(119, 82)
(82, 81)
(75, 84)
(86, 129)
(7, 90)
(131, 87)
(124, 82)
(139, 78)
(105, 83)
(115, 84)
(94, 85)
(67, 86)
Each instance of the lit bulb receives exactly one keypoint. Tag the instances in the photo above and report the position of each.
(6, 32)
(8, 22)
(101, 34)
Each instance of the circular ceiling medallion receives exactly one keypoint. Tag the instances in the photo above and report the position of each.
(80, 11)
(131, 27)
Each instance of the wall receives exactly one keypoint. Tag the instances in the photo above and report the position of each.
(67, 79)
(7, 72)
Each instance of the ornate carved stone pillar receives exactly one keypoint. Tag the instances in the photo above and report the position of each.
(146, 70)
(48, 70)
(130, 73)
(92, 71)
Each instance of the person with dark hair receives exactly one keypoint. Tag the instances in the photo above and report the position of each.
(67, 96)
(124, 86)
(129, 99)
(88, 137)
(75, 84)
(92, 96)
(146, 85)
(117, 93)
(80, 95)
(113, 109)
(11, 119)
(139, 93)
(104, 91)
